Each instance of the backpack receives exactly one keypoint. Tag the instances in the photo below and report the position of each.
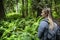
(58, 34)
(50, 34)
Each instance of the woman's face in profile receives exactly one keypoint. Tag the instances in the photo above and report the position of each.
(43, 14)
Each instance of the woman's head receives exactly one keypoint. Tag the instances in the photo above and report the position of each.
(45, 12)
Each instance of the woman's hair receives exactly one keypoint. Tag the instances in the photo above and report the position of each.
(50, 17)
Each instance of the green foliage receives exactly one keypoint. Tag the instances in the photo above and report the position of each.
(55, 14)
(19, 29)
(13, 15)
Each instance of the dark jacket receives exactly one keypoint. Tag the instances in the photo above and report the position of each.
(43, 31)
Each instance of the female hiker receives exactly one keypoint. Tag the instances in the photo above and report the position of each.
(47, 29)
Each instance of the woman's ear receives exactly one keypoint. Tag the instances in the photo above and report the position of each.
(46, 14)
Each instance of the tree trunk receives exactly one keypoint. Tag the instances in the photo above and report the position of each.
(26, 7)
(2, 13)
(16, 6)
(39, 10)
(23, 8)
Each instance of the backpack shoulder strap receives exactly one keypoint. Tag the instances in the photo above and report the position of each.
(46, 21)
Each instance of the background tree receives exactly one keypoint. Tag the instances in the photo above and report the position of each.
(2, 13)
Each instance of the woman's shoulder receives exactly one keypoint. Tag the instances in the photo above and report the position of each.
(44, 23)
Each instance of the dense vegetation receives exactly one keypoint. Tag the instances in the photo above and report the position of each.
(19, 19)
